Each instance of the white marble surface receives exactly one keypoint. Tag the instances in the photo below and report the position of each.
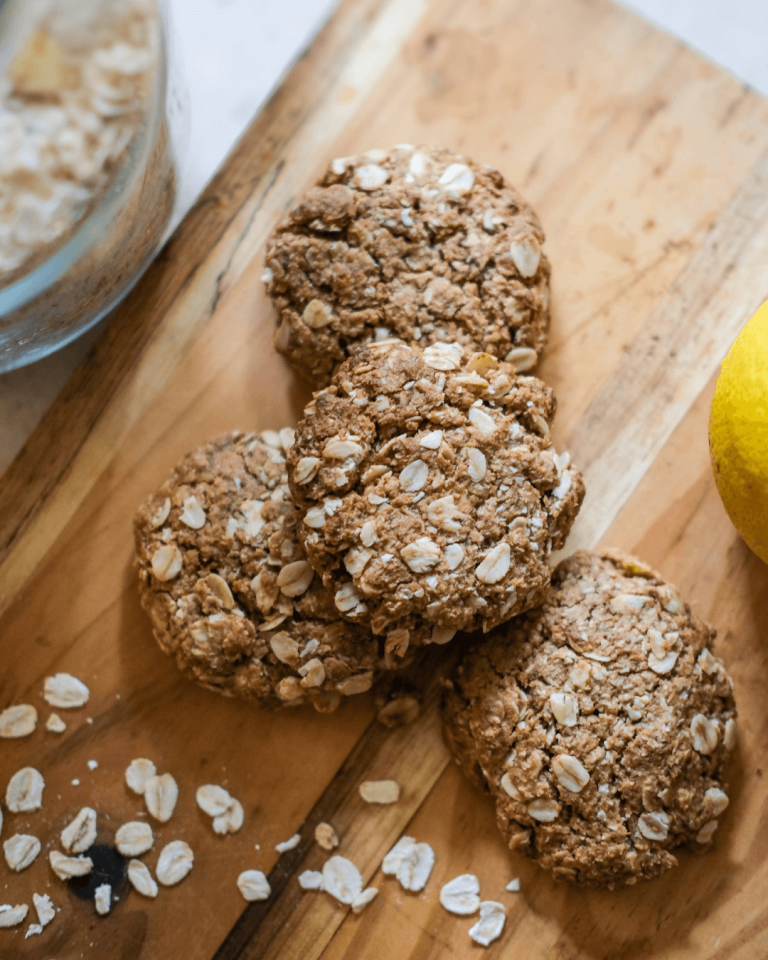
(233, 52)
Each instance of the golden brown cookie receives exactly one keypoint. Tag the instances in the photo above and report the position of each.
(228, 587)
(415, 243)
(600, 722)
(429, 489)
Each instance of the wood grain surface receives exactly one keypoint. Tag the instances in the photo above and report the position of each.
(649, 170)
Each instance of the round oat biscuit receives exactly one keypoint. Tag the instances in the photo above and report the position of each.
(227, 584)
(421, 244)
(600, 722)
(429, 489)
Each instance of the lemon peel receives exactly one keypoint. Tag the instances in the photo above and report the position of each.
(738, 433)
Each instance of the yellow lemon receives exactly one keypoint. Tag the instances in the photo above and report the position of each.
(738, 433)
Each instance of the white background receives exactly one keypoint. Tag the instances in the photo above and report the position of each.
(233, 52)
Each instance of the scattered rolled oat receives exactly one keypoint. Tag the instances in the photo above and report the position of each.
(18, 721)
(451, 547)
(32, 930)
(138, 773)
(24, 793)
(461, 895)
(213, 800)
(20, 851)
(513, 886)
(65, 692)
(380, 791)
(55, 724)
(488, 928)
(174, 863)
(80, 834)
(67, 867)
(362, 900)
(592, 743)
(134, 838)
(12, 916)
(231, 820)
(342, 880)
(227, 813)
(93, 765)
(102, 897)
(311, 880)
(254, 885)
(326, 836)
(422, 244)
(410, 862)
(141, 879)
(44, 908)
(288, 844)
(160, 796)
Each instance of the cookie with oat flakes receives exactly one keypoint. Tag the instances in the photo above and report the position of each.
(420, 244)
(228, 587)
(600, 723)
(429, 489)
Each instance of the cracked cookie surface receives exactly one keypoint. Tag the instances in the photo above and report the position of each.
(415, 243)
(228, 587)
(599, 722)
(429, 489)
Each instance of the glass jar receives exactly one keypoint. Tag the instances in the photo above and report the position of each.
(87, 176)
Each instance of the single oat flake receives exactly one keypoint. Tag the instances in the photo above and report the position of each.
(289, 844)
(102, 897)
(311, 880)
(461, 895)
(231, 820)
(138, 773)
(20, 851)
(67, 867)
(174, 863)
(213, 800)
(342, 880)
(160, 796)
(326, 836)
(410, 862)
(134, 838)
(25, 791)
(65, 692)
(18, 721)
(80, 834)
(141, 879)
(44, 908)
(380, 791)
(488, 928)
(12, 916)
(253, 885)
(55, 724)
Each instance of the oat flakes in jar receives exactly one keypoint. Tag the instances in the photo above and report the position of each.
(87, 182)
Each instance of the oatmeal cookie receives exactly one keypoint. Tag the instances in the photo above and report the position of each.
(228, 587)
(600, 723)
(420, 244)
(429, 488)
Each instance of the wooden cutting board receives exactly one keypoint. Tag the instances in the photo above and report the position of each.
(648, 168)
